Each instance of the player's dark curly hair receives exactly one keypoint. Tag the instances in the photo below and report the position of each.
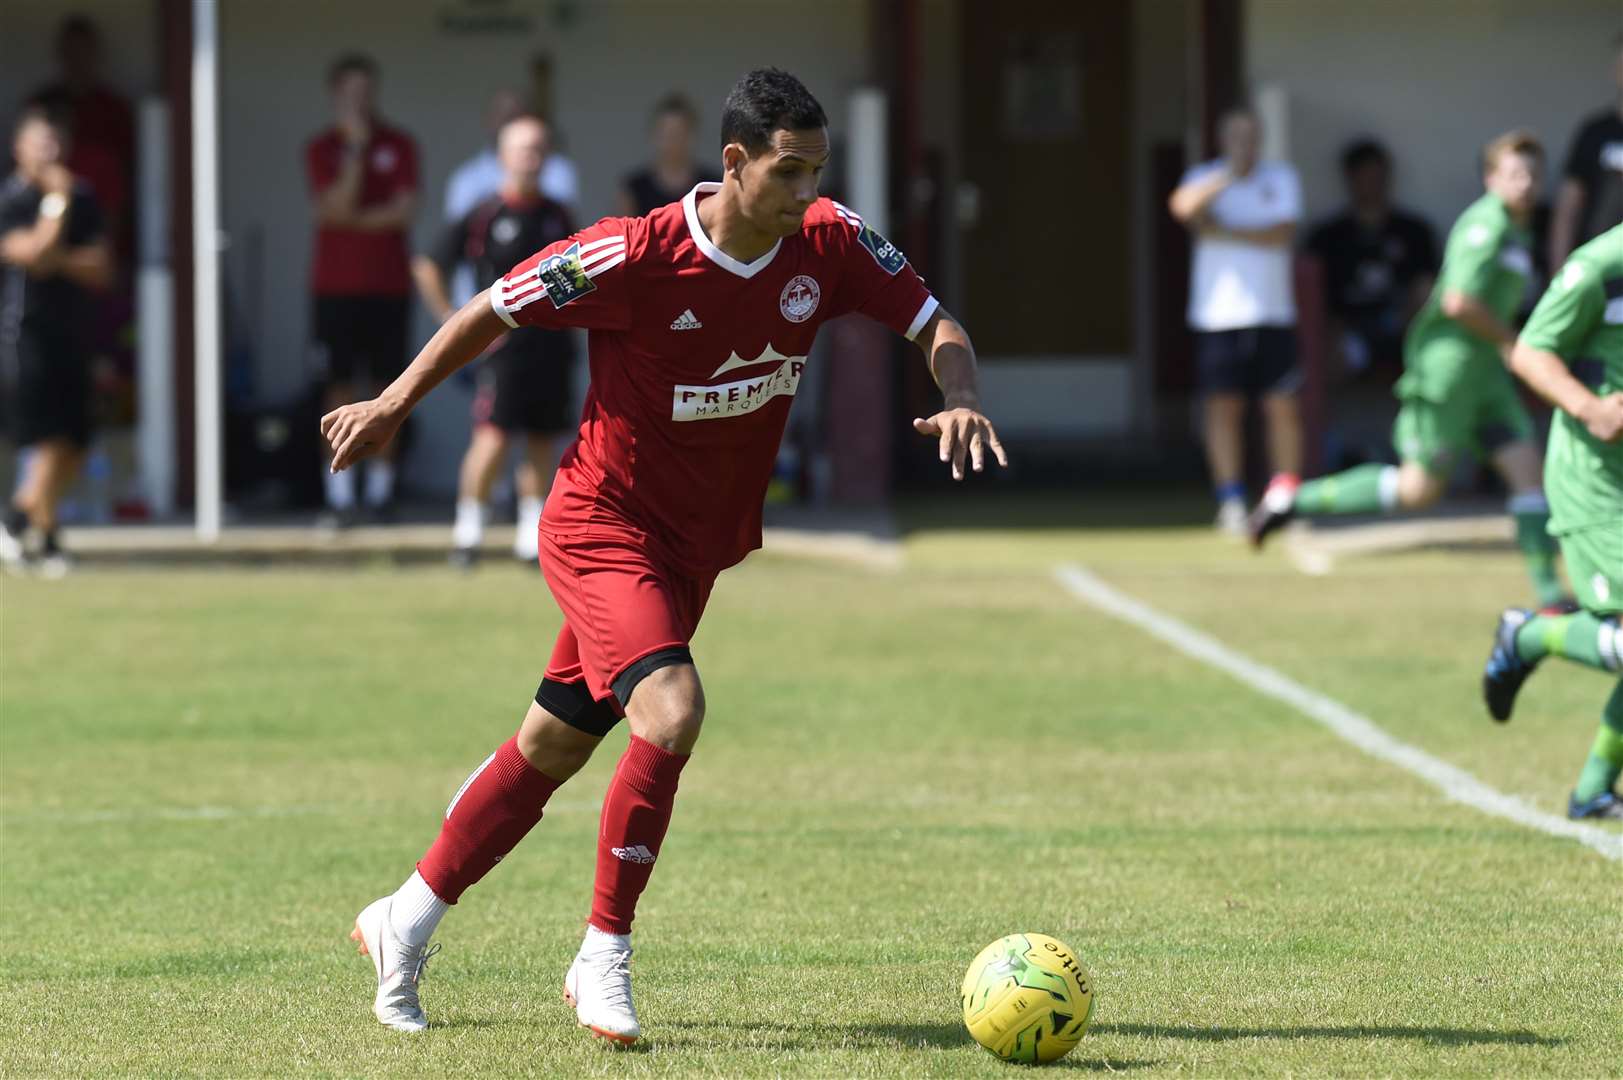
(764, 101)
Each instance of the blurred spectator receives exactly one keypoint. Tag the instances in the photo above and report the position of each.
(1591, 196)
(671, 173)
(100, 131)
(1379, 262)
(53, 251)
(524, 385)
(481, 176)
(100, 122)
(363, 187)
(1242, 309)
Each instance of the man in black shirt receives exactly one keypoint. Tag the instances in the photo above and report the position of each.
(1591, 197)
(671, 172)
(52, 252)
(1379, 262)
(524, 385)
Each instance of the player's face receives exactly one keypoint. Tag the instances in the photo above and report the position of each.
(80, 56)
(1369, 183)
(780, 183)
(1242, 140)
(671, 136)
(36, 146)
(353, 95)
(522, 149)
(1515, 179)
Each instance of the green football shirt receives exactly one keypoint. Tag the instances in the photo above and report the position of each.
(1580, 319)
(1489, 258)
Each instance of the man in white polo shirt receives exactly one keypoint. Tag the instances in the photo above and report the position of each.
(1243, 212)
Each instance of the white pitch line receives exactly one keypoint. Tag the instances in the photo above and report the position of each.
(1354, 728)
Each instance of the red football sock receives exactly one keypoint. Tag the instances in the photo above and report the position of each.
(636, 813)
(497, 805)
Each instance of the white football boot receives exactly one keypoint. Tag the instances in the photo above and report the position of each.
(13, 556)
(598, 985)
(399, 967)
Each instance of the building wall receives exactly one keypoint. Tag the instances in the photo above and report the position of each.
(611, 60)
(1434, 80)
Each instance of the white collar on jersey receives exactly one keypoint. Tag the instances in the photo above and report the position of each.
(690, 207)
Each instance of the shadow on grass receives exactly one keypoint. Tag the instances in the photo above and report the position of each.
(488, 1023)
(1437, 1036)
(866, 1036)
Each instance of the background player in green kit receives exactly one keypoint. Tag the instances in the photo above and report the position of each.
(1571, 352)
(1457, 395)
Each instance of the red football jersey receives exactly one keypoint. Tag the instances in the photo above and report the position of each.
(695, 358)
(358, 262)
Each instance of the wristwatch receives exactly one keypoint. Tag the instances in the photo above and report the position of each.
(53, 205)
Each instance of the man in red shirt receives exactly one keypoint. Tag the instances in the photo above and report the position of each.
(102, 150)
(363, 187)
(701, 316)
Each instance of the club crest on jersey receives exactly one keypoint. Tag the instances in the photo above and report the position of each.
(564, 277)
(885, 253)
(799, 298)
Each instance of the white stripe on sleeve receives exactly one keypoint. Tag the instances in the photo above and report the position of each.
(927, 310)
(499, 308)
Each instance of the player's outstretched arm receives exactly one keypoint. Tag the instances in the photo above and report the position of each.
(960, 426)
(1550, 378)
(1479, 319)
(360, 430)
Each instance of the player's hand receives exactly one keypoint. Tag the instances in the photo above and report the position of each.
(358, 431)
(55, 179)
(962, 432)
(1604, 418)
(356, 130)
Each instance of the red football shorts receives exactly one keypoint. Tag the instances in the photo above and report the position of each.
(626, 613)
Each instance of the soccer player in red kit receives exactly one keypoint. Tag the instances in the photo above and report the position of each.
(701, 316)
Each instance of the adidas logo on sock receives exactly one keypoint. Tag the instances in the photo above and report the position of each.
(634, 853)
(686, 321)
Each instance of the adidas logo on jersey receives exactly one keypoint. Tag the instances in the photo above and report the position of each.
(635, 853)
(686, 321)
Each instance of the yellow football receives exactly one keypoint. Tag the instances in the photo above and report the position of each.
(1027, 998)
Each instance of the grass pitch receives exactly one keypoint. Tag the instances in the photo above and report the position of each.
(204, 775)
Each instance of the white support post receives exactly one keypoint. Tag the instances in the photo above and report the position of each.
(154, 315)
(206, 267)
(869, 172)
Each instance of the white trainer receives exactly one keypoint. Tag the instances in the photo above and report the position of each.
(399, 967)
(13, 556)
(1231, 517)
(598, 985)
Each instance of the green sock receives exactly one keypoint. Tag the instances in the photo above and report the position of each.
(1580, 637)
(1606, 756)
(1363, 489)
(1532, 516)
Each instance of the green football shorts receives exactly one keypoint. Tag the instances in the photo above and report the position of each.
(1478, 417)
(1595, 567)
